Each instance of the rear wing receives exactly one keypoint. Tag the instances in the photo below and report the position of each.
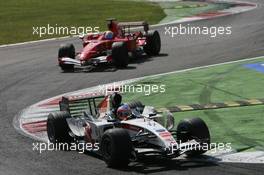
(128, 25)
(76, 106)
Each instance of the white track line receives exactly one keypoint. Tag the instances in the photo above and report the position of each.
(36, 41)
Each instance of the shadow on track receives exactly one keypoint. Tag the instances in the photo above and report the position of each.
(107, 67)
(156, 163)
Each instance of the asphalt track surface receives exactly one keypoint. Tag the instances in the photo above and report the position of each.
(28, 74)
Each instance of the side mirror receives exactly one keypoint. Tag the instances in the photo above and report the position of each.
(169, 121)
(81, 36)
(166, 120)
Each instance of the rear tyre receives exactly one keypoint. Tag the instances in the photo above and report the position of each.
(58, 129)
(120, 54)
(153, 43)
(197, 129)
(66, 50)
(116, 147)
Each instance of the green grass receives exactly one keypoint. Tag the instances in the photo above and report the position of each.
(177, 10)
(242, 126)
(18, 17)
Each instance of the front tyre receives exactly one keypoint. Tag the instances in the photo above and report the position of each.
(120, 54)
(195, 128)
(58, 129)
(116, 147)
(66, 50)
(67, 67)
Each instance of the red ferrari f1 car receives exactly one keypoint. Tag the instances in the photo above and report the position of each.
(113, 46)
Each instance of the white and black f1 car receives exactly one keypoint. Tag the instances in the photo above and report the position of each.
(90, 120)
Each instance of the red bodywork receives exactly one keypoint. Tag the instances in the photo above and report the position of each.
(95, 45)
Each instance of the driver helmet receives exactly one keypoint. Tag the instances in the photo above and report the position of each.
(116, 100)
(109, 35)
(123, 112)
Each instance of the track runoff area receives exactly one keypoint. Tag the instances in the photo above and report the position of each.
(227, 96)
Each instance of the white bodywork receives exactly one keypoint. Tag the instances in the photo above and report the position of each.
(148, 130)
(163, 136)
(67, 60)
